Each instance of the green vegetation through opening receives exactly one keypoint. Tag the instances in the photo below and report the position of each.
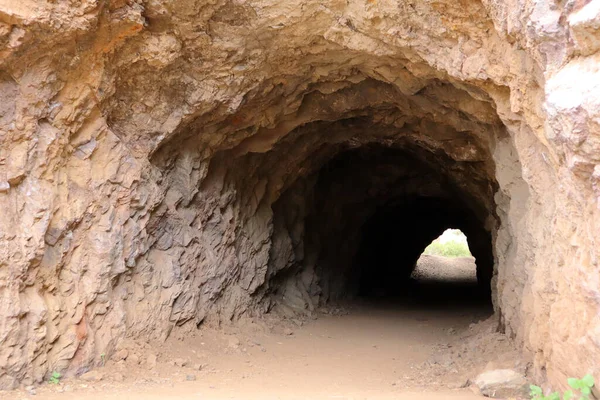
(451, 243)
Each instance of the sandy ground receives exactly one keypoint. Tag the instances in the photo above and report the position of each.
(451, 270)
(425, 345)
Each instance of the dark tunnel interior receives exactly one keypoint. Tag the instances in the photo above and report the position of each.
(360, 222)
(394, 238)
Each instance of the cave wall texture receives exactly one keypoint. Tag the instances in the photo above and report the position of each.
(167, 163)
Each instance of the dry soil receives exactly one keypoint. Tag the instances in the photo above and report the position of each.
(425, 345)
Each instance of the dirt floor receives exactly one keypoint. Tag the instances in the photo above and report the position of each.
(425, 345)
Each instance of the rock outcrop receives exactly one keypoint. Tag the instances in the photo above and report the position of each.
(173, 162)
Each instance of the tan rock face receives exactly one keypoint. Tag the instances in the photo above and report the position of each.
(165, 163)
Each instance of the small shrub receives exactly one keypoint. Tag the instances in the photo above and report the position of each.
(450, 248)
(583, 386)
(55, 378)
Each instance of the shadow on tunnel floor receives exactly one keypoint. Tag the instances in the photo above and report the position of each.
(452, 297)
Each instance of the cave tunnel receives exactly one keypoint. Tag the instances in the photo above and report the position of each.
(353, 209)
(173, 164)
(338, 199)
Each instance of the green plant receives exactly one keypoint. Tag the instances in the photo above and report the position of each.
(55, 378)
(450, 248)
(103, 358)
(583, 386)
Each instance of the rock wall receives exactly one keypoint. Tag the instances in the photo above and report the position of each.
(159, 160)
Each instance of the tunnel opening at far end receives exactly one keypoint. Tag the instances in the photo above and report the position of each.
(447, 274)
(451, 243)
(404, 255)
(447, 259)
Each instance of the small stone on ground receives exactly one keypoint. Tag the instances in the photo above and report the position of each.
(501, 383)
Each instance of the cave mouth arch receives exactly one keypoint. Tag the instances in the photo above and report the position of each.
(278, 207)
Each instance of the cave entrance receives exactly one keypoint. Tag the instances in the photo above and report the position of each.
(339, 197)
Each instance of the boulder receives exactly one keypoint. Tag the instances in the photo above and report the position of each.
(501, 383)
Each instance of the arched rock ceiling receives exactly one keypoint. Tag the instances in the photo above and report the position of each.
(222, 74)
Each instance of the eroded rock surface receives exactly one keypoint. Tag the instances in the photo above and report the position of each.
(168, 163)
